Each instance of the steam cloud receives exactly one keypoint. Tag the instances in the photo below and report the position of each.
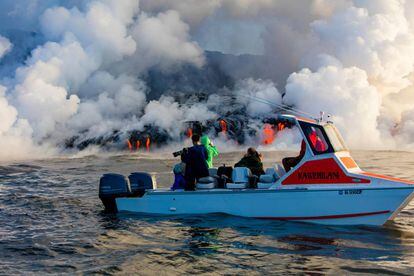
(85, 72)
(5, 46)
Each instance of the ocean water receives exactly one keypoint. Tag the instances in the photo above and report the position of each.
(51, 221)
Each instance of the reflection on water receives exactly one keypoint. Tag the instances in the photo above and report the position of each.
(52, 221)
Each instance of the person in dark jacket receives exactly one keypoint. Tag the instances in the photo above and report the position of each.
(195, 159)
(252, 160)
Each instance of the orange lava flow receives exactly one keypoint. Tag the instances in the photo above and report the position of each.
(189, 132)
(129, 144)
(268, 134)
(223, 126)
(148, 143)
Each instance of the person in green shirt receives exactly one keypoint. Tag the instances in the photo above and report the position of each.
(211, 150)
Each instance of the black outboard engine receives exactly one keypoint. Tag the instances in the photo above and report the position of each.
(140, 182)
(111, 186)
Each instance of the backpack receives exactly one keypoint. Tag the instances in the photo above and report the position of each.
(224, 173)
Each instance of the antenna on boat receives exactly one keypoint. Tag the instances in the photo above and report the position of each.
(283, 107)
(322, 118)
(321, 113)
(328, 118)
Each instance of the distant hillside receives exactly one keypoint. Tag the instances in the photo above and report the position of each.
(220, 72)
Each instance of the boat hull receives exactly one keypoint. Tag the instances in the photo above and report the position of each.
(330, 206)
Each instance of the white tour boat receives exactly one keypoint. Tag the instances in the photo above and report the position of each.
(326, 186)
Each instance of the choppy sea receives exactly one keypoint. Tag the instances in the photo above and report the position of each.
(52, 221)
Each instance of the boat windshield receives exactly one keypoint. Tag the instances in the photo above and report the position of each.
(316, 137)
(335, 137)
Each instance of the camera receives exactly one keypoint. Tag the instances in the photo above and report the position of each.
(177, 153)
(180, 152)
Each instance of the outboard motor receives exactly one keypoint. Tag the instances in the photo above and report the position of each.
(111, 186)
(140, 182)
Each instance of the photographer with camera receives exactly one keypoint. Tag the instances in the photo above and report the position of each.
(195, 159)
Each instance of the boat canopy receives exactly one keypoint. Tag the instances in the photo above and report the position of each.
(322, 138)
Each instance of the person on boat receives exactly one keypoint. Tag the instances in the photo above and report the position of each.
(195, 161)
(179, 180)
(211, 150)
(290, 162)
(317, 141)
(252, 160)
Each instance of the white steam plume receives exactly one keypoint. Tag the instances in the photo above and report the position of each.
(65, 86)
(5, 46)
(255, 93)
(85, 41)
(163, 40)
(353, 59)
(343, 92)
(362, 54)
(167, 114)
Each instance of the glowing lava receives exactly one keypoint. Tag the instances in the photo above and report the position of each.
(268, 134)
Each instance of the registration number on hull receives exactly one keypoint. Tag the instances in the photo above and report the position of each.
(350, 192)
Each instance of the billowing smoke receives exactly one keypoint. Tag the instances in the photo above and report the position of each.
(90, 68)
(164, 40)
(5, 46)
(345, 94)
(65, 86)
(370, 45)
(256, 96)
